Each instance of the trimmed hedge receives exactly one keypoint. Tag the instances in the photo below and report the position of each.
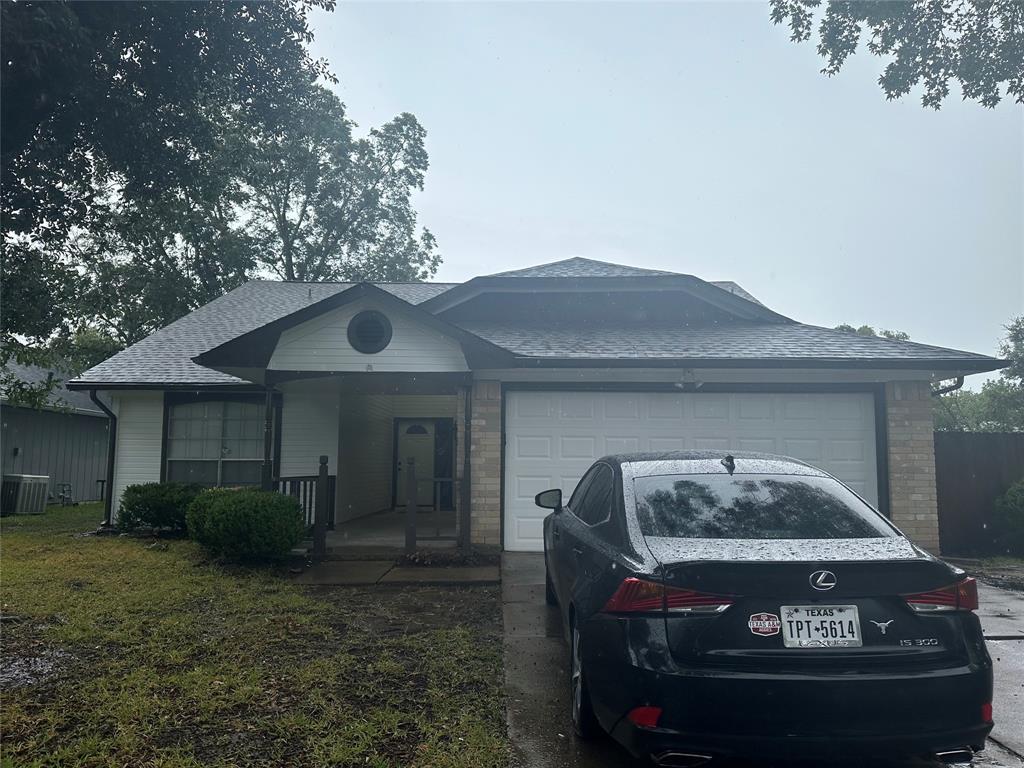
(156, 505)
(1009, 519)
(246, 524)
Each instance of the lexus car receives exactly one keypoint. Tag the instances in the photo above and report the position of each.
(748, 605)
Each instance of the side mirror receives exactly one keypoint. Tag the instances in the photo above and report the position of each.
(549, 499)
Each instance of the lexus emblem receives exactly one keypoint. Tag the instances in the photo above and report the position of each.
(823, 580)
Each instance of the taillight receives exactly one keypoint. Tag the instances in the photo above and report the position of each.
(962, 596)
(639, 596)
(645, 717)
(986, 712)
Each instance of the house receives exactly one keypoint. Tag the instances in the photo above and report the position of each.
(512, 383)
(65, 440)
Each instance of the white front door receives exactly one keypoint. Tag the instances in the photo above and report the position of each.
(553, 437)
(416, 441)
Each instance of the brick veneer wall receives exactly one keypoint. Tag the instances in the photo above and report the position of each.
(485, 463)
(912, 499)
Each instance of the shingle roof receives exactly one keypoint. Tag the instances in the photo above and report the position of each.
(580, 267)
(732, 341)
(166, 356)
(59, 397)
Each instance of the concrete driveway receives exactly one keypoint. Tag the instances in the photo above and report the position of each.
(537, 685)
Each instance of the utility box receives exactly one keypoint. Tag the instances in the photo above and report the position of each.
(24, 494)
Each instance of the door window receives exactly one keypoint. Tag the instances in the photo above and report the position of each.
(595, 505)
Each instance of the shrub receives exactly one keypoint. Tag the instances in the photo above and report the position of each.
(1009, 519)
(246, 524)
(156, 505)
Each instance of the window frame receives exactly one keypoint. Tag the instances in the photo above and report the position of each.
(172, 399)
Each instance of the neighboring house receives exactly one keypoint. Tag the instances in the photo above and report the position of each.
(66, 440)
(512, 383)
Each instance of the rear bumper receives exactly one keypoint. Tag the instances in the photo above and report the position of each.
(726, 712)
(643, 742)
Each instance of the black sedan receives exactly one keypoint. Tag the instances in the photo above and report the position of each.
(751, 605)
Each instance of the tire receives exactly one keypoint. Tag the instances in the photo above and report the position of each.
(549, 590)
(584, 723)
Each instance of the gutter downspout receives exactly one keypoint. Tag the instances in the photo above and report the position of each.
(107, 526)
(957, 383)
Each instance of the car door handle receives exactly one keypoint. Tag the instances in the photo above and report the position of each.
(555, 532)
(578, 551)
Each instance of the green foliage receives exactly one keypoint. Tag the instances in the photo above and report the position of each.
(134, 92)
(328, 206)
(152, 150)
(1008, 520)
(246, 524)
(999, 405)
(156, 505)
(980, 45)
(867, 330)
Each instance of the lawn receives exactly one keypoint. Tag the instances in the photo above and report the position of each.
(148, 653)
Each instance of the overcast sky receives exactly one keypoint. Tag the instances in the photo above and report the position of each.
(696, 137)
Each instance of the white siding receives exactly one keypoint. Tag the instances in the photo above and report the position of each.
(140, 417)
(321, 344)
(309, 427)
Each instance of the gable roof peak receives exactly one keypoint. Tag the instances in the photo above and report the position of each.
(577, 266)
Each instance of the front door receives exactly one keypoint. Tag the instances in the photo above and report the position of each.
(415, 440)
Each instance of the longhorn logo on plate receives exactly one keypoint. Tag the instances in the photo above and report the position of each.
(764, 624)
(823, 580)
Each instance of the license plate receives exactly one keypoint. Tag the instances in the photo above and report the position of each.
(821, 626)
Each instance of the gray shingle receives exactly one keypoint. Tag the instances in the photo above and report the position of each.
(580, 267)
(165, 357)
(740, 340)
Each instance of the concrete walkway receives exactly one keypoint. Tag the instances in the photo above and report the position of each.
(354, 573)
(537, 685)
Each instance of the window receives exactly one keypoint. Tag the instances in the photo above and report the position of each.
(595, 505)
(369, 332)
(215, 443)
(753, 507)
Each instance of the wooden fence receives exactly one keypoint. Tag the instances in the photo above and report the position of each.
(972, 470)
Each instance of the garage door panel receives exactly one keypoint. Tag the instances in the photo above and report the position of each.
(532, 447)
(552, 438)
(578, 447)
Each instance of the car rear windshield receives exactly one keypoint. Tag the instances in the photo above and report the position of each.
(753, 506)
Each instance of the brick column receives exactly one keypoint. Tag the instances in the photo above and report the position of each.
(485, 463)
(912, 499)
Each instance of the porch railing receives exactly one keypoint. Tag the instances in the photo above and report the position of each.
(303, 488)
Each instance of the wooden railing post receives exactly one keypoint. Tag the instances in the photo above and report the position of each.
(320, 512)
(410, 505)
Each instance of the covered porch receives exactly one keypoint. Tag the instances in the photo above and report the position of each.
(393, 443)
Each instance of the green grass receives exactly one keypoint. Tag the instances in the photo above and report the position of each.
(171, 659)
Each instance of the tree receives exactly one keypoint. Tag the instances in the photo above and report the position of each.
(134, 90)
(112, 106)
(999, 405)
(867, 330)
(976, 43)
(326, 206)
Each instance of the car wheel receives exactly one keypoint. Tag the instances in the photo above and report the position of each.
(583, 721)
(549, 590)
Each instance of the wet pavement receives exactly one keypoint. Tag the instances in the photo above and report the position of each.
(537, 684)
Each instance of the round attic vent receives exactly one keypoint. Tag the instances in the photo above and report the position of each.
(369, 332)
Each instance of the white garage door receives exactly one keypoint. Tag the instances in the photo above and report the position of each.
(553, 437)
